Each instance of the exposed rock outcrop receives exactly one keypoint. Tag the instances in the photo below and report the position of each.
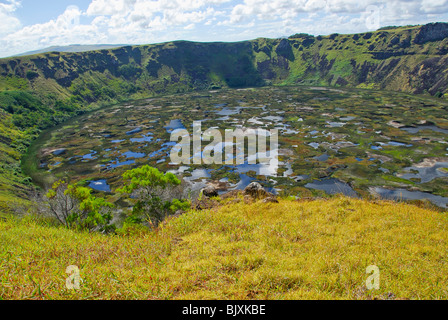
(209, 192)
(431, 32)
(256, 191)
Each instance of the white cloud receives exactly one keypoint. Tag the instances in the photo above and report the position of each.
(434, 6)
(8, 22)
(65, 24)
(142, 15)
(64, 30)
(109, 7)
(393, 10)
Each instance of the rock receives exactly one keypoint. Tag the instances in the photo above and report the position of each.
(219, 185)
(205, 204)
(256, 191)
(270, 200)
(395, 124)
(209, 192)
(234, 194)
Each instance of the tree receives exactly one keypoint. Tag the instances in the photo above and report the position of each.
(157, 193)
(301, 36)
(75, 206)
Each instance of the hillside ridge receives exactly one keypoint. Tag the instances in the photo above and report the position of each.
(372, 59)
(69, 48)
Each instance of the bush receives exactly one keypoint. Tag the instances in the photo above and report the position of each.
(75, 207)
(157, 194)
(301, 36)
(129, 71)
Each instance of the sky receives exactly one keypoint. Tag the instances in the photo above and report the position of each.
(27, 25)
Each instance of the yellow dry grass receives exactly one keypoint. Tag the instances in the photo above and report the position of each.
(292, 250)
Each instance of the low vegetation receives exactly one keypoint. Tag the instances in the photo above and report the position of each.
(157, 194)
(76, 207)
(306, 249)
(152, 196)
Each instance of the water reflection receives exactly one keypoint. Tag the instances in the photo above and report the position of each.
(174, 124)
(137, 130)
(130, 154)
(426, 174)
(424, 127)
(89, 156)
(99, 185)
(117, 163)
(332, 186)
(226, 111)
(322, 158)
(145, 138)
(403, 194)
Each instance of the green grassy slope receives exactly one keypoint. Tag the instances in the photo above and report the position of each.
(42, 90)
(411, 59)
(12, 184)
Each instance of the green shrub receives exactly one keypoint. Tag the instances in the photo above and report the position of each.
(129, 71)
(75, 207)
(157, 193)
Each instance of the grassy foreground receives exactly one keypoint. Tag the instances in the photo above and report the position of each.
(292, 250)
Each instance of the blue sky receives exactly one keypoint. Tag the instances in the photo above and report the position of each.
(34, 24)
(37, 11)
